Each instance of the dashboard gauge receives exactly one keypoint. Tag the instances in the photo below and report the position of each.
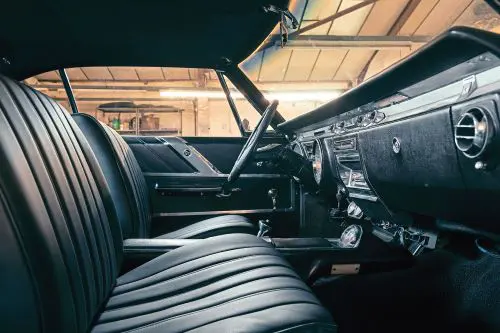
(317, 161)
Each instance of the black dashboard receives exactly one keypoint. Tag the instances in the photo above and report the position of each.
(420, 141)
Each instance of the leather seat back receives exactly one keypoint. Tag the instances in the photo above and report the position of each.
(124, 176)
(60, 249)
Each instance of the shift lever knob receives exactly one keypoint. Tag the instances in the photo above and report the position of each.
(273, 194)
(264, 228)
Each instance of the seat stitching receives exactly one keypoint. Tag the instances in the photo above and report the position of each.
(190, 260)
(249, 312)
(24, 253)
(208, 294)
(155, 324)
(204, 269)
(37, 182)
(82, 199)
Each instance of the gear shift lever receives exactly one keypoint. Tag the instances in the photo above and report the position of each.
(264, 228)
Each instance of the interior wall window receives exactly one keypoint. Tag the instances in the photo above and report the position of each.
(156, 101)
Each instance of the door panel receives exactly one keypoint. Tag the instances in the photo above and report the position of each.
(184, 176)
(189, 195)
(222, 152)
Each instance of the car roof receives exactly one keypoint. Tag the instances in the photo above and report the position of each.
(39, 36)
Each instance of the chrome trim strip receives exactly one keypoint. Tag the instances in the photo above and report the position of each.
(218, 175)
(363, 197)
(221, 212)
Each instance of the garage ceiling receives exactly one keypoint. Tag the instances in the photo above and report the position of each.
(337, 55)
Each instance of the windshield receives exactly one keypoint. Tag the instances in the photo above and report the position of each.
(365, 37)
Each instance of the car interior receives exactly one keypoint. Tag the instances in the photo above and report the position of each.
(376, 211)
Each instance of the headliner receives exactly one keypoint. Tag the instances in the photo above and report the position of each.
(39, 36)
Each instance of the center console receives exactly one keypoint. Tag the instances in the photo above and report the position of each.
(315, 258)
(349, 165)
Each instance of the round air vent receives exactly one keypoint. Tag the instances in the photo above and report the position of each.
(473, 132)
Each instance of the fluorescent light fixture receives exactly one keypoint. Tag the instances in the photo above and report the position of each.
(284, 96)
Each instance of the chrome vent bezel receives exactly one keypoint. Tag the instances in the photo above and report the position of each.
(473, 132)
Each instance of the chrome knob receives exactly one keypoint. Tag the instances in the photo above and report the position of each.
(480, 165)
(273, 194)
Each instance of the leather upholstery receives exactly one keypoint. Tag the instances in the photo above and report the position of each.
(214, 226)
(230, 283)
(61, 249)
(130, 192)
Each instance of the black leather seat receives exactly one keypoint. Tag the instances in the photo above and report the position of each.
(61, 249)
(130, 193)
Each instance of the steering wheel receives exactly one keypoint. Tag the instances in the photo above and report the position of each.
(251, 144)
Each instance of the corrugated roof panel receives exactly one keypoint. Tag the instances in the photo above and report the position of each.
(442, 16)
(327, 64)
(275, 64)
(175, 73)
(319, 9)
(353, 64)
(351, 23)
(480, 15)
(97, 73)
(384, 59)
(417, 17)
(124, 73)
(149, 73)
(301, 65)
(76, 74)
(321, 30)
(51, 76)
(382, 17)
(251, 66)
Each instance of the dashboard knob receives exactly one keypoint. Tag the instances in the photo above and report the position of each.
(480, 165)
(378, 116)
(396, 145)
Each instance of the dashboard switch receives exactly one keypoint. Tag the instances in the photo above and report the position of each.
(354, 211)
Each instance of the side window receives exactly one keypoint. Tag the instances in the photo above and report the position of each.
(248, 114)
(156, 101)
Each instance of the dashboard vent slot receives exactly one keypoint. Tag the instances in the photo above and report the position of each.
(345, 144)
(473, 132)
(319, 133)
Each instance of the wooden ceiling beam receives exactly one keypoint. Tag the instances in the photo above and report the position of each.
(393, 31)
(131, 86)
(270, 42)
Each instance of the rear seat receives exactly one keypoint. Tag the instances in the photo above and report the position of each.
(61, 249)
